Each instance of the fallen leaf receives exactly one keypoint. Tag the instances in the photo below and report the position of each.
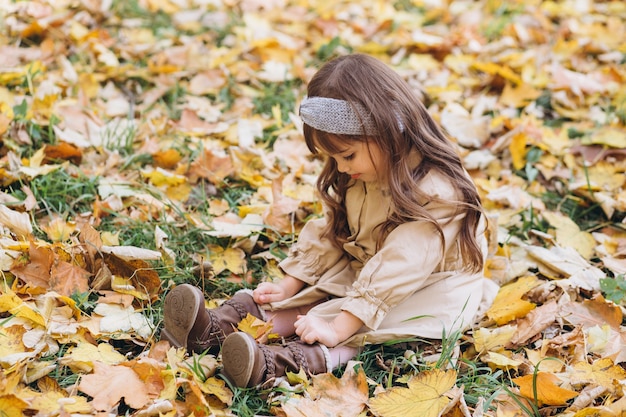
(602, 372)
(424, 396)
(328, 395)
(547, 388)
(108, 385)
(508, 304)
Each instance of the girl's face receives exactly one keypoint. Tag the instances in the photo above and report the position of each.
(360, 160)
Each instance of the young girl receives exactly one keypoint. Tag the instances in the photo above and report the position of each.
(399, 253)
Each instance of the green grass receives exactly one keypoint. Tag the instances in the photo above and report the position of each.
(60, 192)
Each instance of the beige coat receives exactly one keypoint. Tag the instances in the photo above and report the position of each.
(404, 289)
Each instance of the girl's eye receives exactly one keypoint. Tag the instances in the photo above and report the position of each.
(348, 157)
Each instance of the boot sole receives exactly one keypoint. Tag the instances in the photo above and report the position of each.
(180, 310)
(238, 358)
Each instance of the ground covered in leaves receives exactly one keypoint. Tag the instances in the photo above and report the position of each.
(146, 143)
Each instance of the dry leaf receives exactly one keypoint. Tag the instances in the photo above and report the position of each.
(509, 304)
(547, 388)
(424, 396)
(108, 385)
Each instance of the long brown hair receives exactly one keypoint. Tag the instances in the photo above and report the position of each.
(403, 125)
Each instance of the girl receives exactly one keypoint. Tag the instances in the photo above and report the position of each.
(399, 253)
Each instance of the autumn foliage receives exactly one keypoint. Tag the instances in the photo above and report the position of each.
(145, 143)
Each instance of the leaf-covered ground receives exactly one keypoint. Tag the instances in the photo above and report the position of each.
(146, 143)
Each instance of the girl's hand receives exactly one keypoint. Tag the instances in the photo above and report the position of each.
(269, 292)
(312, 329)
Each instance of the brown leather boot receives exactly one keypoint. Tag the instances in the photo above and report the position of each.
(189, 324)
(248, 363)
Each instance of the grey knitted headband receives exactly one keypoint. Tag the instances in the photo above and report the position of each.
(338, 116)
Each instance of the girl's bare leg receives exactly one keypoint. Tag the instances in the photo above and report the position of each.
(342, 355)
(283, 320)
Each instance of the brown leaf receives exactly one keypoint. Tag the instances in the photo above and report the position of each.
(212, 166)
(596, 311)
(534, 323)
(37, 272)
(329, 395)
(142, 276)
(67, 279)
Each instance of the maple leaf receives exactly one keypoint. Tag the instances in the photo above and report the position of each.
(424, 396)
(545, 384)
(329, 395)
(602, 372)
(232, 259)
(67, 279)
(82, 357)
(108, 385)
(255, 327)
(37, 271)
(212, 165)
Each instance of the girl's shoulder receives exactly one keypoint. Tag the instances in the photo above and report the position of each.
(436, 184)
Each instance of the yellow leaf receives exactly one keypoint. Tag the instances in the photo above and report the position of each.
(501, 361)
(548, 392)
(160, 177)
(232, 259)
(604, 176)
(568, 234)
(12, 406)
(217, 386)
(11, 340)
(517, 147)
(11, 303)
(179, 192)
(518, 96)
(608, 136)
(602, 372)
(495, 69)
(82, 357)
(493, 339)
(508, 304)
(424, 396)
(255, 327)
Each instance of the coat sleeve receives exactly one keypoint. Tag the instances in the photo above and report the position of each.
(311, 256)
(404, 264)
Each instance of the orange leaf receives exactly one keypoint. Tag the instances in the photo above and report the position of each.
(64, 151)
(548, 392)
(109, 384)
(167, 159)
